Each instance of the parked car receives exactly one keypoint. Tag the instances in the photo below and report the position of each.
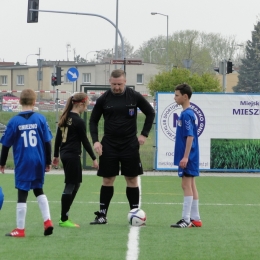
(2, 128)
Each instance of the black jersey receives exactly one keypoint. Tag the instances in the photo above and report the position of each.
(120, 115)
(69, 138)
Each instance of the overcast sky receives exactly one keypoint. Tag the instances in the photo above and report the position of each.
(86, 33)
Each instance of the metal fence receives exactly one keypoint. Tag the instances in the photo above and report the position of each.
(46, 100)
(51, 103)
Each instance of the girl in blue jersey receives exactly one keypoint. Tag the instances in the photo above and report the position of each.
(30, 136)
(186, 157)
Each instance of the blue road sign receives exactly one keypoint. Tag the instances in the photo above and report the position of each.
(72, 74)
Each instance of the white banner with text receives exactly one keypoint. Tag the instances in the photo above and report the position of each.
(228, 130)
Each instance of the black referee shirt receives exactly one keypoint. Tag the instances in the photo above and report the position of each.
(120, 114)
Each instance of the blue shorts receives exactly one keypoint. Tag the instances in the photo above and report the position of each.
(29, 185)
(187, 173)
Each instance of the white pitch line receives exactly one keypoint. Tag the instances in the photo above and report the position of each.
(146, 203)
(133, 235)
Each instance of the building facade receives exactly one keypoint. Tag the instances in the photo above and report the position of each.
(15, 78)
(19, 77)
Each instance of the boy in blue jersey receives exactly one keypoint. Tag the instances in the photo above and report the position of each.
(30, 136)
(186, 157)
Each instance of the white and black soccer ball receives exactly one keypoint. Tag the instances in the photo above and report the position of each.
(136, 217)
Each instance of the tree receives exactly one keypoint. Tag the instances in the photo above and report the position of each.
(220, 48)
(79, 59)
(105, 54)
(167, 80)
(186, 45)
(204, 50)
(155, 45)
(249, 71)
(109, 53)
(128, 49)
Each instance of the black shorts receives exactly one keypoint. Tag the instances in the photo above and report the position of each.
(120, 155)
(72, 169)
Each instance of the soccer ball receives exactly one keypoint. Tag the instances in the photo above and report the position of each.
(136, 217)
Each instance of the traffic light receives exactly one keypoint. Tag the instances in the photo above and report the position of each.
(229, 67)
(58, 75)
(32, 16)
(53, 81)
(216, 69)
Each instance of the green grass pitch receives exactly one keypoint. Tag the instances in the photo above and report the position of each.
(229, 208)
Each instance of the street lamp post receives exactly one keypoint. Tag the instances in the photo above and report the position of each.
(39, 75)
(38, 54)
(90, 52)
(154, 50)
(77, 13)
(167, 47)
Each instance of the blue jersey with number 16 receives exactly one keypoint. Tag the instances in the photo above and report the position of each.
(28, 132)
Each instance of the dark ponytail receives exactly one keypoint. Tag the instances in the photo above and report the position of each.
(65, 112)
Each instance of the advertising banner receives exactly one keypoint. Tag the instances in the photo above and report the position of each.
(228, 130)
(10, 104)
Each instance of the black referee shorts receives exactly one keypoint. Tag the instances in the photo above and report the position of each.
(120, 154)
(72, 169)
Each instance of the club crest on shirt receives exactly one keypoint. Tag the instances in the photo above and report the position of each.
(131, 111)
(170, 119)
(69, 121)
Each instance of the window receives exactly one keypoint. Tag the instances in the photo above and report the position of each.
(3, 80)
(86, 78)
(20, 80)
(140, 79)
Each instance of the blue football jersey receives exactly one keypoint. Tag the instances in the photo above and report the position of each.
(186, 126)
(1, 197)
(28, 132)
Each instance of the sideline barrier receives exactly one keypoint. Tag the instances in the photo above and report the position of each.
(44, 103)
(36, 91)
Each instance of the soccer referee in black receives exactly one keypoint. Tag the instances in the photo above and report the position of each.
(119, 147)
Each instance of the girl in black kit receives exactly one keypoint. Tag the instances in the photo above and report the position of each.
(71, 133)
